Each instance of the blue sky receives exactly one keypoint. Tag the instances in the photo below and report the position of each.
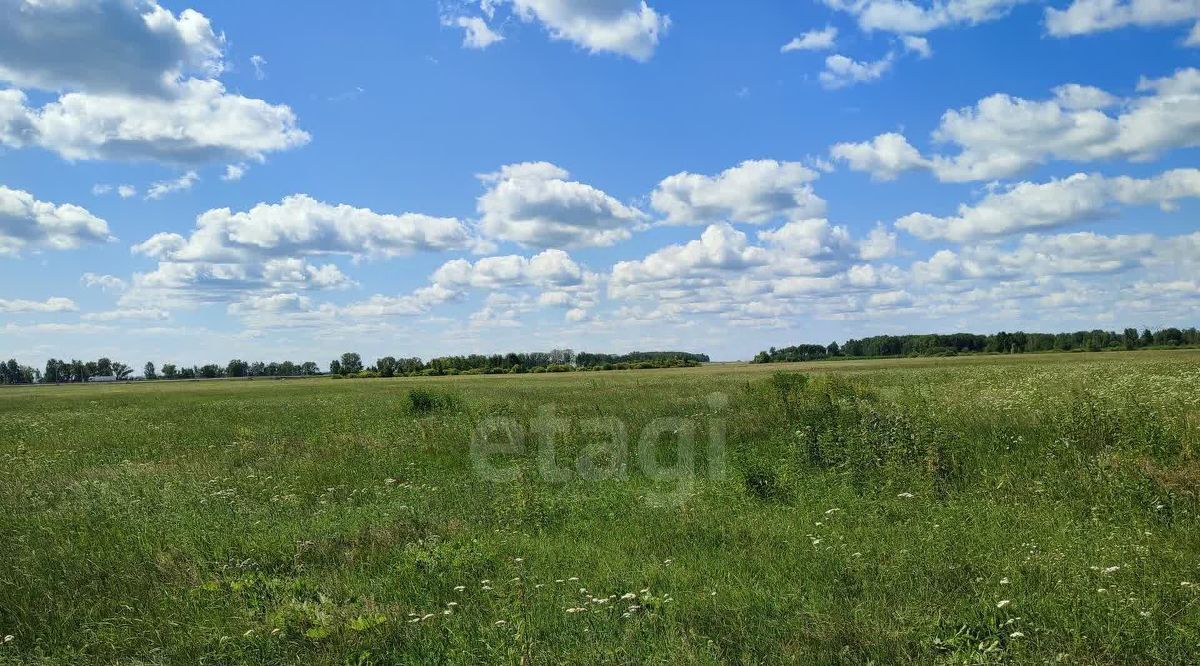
(191, 182)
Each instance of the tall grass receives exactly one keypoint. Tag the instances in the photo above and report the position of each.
(953, 512)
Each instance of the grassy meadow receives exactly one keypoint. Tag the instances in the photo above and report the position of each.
(1036, 508)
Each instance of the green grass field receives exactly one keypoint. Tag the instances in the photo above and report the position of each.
(968, 510)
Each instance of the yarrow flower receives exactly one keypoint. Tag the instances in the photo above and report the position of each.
(1003, 603)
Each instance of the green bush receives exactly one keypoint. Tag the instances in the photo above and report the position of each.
(424, 401)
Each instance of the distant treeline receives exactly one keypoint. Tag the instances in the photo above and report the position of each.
(997, 343)
(558, 360)
(351, 364)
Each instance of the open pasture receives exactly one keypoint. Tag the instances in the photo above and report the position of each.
(967, 510)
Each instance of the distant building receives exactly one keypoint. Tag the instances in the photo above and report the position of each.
(102, 378)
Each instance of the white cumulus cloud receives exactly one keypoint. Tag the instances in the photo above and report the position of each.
(108, 46)
(476, 32)
(908, 17)
(626, 27)
(1082, 17)
(1003, 135)
(1033, 206)
(841, 71)
(534, 204)
(754, 192)
(26, 222)
(135, 83)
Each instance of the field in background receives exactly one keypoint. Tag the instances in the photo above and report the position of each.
(971, 509)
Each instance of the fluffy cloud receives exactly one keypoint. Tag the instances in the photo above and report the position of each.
(183, 284)
(810, 239)
(722, 270)
(725, 276)
(416, 303)
(753, 192)
(1002, 135)
(1078, 253)
(125, 64)
(879, 244)
(907, 17)
(234, 172)
(885, 157)
(548, 269)
(720, 247)
(841, 71)
(917, 45)
(232, 257)
(295, 310)
(302, 226)
(55, 304)
(476, 33)
(202, 123)
(534, 204)
(123, 191)
(1088, 16)
(122, 46)
(104, 282)
(626, 27)
(1029, 206)
(562, 281)
(26, 222)
(813, 40)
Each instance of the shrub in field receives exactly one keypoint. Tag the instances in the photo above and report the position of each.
(831, 423)
(424, 401)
